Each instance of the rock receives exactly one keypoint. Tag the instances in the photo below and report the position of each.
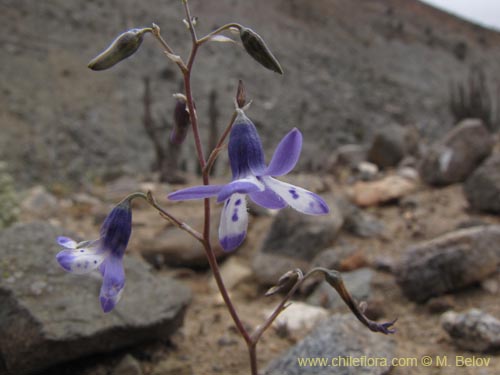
(340, 338)
(359, 222)
(48, 316)
(391, 144)
(482, 188)
(268, 268)
(39, 203)
(298, 316)
(176, 248)
(127, 366)
(387, 189)
(349, 156)
(233, 272)
(455, 157)
(473, 330)
(449, 262)
(293, 240)
(366, 171)
(332, 258)
(358, 283)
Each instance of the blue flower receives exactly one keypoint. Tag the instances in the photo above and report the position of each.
(252, 177)
(105, 253)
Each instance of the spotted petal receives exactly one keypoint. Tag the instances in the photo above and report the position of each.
(233, 222)
(113, 283)
(196, 192)
(286, 155)
(80, 261)
(66, 242)
(268, 199)
(245, 185)
(300, 199)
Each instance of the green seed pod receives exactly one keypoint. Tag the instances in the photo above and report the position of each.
(123, 46)
(257, 48)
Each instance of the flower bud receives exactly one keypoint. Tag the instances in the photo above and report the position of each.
(181, 122)
(257, 48)
(241, 96)
(125, 45)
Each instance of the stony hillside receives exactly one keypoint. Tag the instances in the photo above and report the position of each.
(350, 68)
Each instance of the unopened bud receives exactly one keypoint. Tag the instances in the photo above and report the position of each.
(125, 45)
(181, 122)
(241, 95)
(285, 282)
(257, 48)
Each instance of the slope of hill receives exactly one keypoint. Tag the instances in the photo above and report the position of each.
(350, 68)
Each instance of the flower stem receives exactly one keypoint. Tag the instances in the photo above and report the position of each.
(212, 260)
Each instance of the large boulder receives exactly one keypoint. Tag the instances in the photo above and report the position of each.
(482, 188)
(456, 156)
(448, 263)
(339, 340)
(48, 316)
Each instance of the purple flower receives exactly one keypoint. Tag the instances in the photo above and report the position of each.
(105, 253)
(252, 177)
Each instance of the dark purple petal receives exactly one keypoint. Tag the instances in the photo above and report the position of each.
(233, 222)
(66, 242)
(80, 261)
(268, 199)
(245, 148)
(300, 199)
(243, 186)
(113, 283)
(286, 155)
(196, 192)
(116, 229)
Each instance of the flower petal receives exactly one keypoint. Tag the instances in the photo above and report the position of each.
(113, 283)
(300, 199)
(66, 242)
(233, 222)
(243, 186)
(286, 155)
(268, 199)
(196, 192)
(80, 261)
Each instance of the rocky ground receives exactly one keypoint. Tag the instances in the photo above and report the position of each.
(418, 253)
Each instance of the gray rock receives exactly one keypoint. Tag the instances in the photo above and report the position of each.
(456, 156)
(449, 262)
(302, 236)
(482, 188)
(48, 316)
(391, 144)
(339, 338)
(357, 282)
(127, 366)
(293, 240)
(473, 330)
(349, 155)
(359, 222)
(39, 203)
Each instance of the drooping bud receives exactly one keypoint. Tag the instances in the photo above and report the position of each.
(241, 95)
(257, 48)
(285, 282)
(125, 45)
(181, 121)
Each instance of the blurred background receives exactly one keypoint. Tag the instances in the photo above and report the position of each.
(399, 105)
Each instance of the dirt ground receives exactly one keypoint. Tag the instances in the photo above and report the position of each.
(208, 343)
